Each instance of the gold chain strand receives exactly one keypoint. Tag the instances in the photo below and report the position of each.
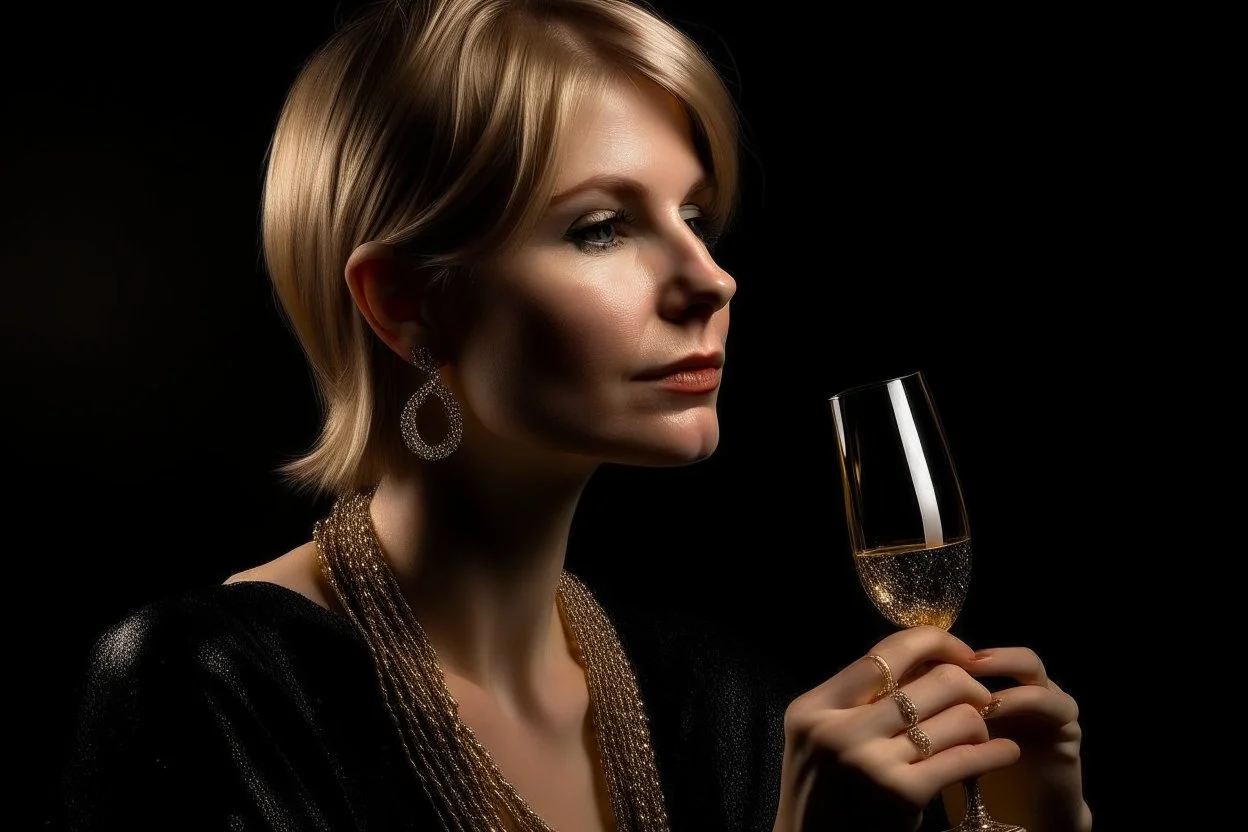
(345, 543)
(619, 714)
(469, 792)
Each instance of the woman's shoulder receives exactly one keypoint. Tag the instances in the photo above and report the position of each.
(238, 701)
(278, 599)
(298, 570)
(206, 628)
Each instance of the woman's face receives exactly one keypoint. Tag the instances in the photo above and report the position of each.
(573, 336)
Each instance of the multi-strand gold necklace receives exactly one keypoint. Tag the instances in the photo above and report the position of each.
(466, 787)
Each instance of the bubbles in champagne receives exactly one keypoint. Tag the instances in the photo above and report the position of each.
(913, 585)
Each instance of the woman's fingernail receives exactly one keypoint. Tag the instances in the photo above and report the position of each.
(979, 657)
(991, 708)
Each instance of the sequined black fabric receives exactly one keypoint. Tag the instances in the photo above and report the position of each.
(249, 707)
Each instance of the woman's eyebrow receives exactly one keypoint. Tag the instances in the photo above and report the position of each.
(618, 184)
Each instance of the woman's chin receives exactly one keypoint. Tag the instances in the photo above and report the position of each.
(684, 448)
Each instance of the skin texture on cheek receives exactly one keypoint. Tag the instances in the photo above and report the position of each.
(554, 361)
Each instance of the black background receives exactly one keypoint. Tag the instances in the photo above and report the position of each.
(940, 194)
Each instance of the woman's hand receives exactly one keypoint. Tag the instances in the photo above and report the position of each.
(849, 763)
(1043, 790)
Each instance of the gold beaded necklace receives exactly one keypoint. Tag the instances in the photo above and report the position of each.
(467, 789)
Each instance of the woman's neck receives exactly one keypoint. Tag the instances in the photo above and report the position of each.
(479, 561)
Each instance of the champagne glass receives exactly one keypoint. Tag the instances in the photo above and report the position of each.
(907, 520)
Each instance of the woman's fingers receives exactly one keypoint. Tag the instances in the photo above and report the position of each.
(1018, 663)
(947, 747)
(959, 725)
(952, 745)
(902, 652)
(1051, 705)
(962, 761)
(942, 688)
(1036, 697)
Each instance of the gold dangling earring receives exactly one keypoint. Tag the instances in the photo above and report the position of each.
(422, 358)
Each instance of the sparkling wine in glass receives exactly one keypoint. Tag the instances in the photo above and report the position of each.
(906, 517)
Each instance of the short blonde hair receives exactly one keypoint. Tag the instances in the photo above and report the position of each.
(435, 126)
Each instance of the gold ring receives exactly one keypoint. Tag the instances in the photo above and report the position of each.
(991, 708)
(919, 737)
(887, 673)
(908, 712)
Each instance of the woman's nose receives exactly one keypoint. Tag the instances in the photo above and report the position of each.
(696, 284)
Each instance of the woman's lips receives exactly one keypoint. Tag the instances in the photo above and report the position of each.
(702, 380)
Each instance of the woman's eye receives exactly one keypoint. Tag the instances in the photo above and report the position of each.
(600, 233)
(597, 232)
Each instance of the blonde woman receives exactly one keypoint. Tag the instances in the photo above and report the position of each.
(491, 225)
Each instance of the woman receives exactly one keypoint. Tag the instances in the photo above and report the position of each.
(490, 224)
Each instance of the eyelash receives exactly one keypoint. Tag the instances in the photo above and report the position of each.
(704, 227)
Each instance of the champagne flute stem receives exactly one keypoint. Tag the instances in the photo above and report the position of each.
(976, 818)
(976, 815)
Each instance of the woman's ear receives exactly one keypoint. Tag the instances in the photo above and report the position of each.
(389, 293)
